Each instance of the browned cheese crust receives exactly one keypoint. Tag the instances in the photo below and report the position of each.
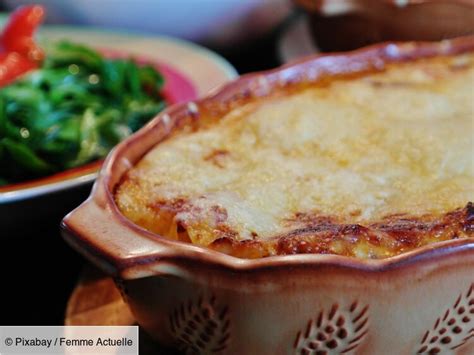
(367, 166)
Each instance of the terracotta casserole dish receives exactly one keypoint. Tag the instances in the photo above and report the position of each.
(350, 24)
(419, 300)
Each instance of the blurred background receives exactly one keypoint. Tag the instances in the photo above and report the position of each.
(238, 29)
(260, 34)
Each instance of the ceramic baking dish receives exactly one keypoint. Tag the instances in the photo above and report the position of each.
(350, 24)
(202, 301)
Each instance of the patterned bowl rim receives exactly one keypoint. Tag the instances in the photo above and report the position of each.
(98, 230)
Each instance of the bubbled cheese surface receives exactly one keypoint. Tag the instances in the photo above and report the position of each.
(358, 150)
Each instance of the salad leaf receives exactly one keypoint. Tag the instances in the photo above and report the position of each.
(73, 110)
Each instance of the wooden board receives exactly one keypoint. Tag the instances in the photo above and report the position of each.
(96, 301)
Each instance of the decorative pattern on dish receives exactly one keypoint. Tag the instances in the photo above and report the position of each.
(334, 332)
(200, 327)
(453, 329)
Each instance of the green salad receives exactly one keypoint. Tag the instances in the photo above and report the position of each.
(72, 111)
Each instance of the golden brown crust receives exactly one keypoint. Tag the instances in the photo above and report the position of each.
(323, 235)
(308, 231)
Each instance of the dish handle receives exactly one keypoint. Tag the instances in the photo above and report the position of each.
(106, 239)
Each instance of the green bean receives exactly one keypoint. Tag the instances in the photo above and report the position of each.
(72, 111)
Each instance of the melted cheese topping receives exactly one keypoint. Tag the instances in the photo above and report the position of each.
(352, 152)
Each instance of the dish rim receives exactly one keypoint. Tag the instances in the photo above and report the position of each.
(119, 254)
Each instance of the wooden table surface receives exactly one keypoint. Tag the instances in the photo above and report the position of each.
(96, 301)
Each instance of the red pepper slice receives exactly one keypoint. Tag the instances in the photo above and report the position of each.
(12, 65)
(18, 51)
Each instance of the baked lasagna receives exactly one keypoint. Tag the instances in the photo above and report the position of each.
(368, 166)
